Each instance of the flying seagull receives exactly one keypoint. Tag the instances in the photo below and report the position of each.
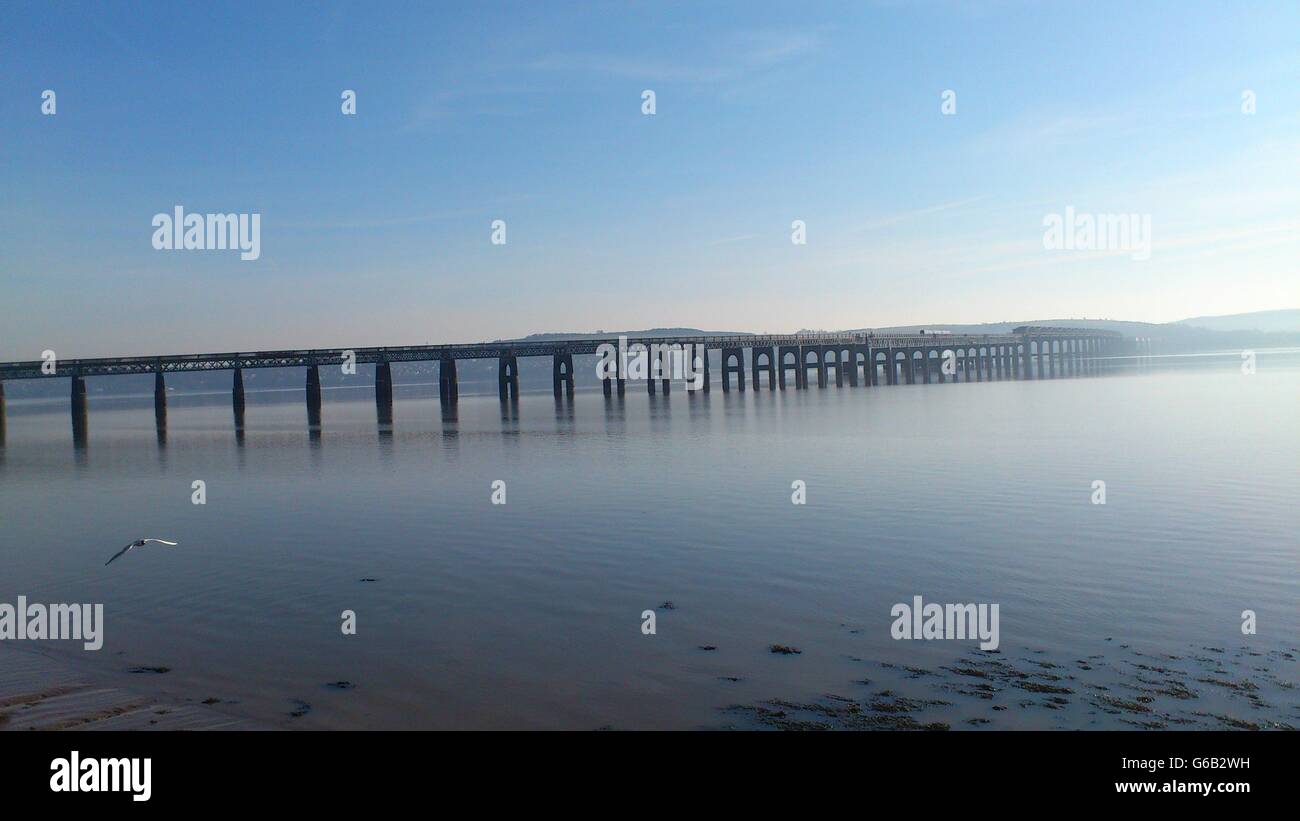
(139, 543)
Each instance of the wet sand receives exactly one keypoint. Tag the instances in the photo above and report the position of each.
(38, 692)
(1119, 687)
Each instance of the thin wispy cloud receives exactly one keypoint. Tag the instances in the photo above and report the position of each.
(740, 54)
(730, 240)
(905, 216)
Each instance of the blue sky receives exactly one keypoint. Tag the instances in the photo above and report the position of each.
(376, 228)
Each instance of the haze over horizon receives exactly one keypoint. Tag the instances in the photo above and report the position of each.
(375, 228)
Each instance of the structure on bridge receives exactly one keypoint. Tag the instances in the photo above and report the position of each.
(774, 361)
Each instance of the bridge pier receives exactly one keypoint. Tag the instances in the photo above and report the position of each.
(781, 367)
(78, 394)
(653, 368)
(756, 369)
(691, 369)
(728, 369)
(2, 413)
(237, 397)
(508, 377)
(849, 364)
(448, 383)
(80, 420)
(313, 396)
(562, 374)
(159, 400)
(819, 365)
(384, 392)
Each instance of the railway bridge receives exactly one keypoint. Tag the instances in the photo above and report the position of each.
(781, 361)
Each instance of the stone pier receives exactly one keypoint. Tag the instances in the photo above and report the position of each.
(80, 420)
(755, 354)
(160, 399)
(313, 396)
(448, 384)
(562, 374)
(384, 392)
(659, 368)
(728, 369)
(237, 397)
(508, 377)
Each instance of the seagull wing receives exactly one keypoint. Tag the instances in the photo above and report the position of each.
(161, 541)
(119, 553)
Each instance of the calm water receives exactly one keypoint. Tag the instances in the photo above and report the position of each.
(528, 615)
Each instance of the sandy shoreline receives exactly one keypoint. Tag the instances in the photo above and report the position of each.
(1207, 688)
(40, 692)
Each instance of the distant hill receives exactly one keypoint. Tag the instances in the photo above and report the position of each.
(652, 332)
(1171, 337)
(1287, 321)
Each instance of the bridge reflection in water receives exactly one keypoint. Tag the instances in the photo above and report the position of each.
(792, 361)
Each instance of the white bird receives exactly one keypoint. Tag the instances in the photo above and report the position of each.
(139, 543)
